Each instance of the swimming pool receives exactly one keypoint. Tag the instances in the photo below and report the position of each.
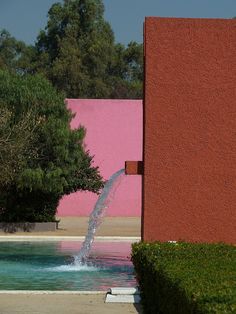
(49, 266)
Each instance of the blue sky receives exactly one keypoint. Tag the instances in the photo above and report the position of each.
(24, 18)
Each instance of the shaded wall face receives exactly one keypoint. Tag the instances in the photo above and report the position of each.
(113, 135)
(190, 130)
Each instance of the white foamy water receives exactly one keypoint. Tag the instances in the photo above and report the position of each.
(97, 214)
(72, 267)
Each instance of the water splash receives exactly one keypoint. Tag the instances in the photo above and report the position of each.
(71, 268)
(97, 214)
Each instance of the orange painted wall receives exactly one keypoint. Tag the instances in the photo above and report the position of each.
(189, 182)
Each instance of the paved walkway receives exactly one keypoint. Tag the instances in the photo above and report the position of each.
(69, 303)
(62, 304)
(77, 226)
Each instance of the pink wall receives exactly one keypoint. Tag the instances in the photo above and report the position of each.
(114, 135)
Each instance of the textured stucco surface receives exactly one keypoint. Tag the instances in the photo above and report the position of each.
(190, 130)
(113, 135)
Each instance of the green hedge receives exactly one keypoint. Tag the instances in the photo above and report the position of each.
(186, 278)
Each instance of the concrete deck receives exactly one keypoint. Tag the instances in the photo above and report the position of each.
(62, 304)
(77, 226)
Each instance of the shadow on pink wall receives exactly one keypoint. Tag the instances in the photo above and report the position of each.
(113, 135)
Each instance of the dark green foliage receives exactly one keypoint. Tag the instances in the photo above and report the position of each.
(59, 164)
(77, 52)
(185, 278)
(10, 50)
(16, 139)
(76, 48)
(126, 71)
(15, 55)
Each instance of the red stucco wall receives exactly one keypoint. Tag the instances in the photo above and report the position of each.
(189, 184)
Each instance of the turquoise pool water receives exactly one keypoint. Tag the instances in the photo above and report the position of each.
(49, 266)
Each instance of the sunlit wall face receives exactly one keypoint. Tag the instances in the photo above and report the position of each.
(113, 135)
(190, 127)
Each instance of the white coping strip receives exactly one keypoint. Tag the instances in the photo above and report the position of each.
(69, 238)
(51, 292)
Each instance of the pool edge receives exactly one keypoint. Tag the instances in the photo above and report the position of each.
(64, 292)
(71, 238)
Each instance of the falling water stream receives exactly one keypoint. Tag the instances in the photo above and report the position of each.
(97, 214)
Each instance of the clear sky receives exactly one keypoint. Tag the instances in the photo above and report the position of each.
(24, 18)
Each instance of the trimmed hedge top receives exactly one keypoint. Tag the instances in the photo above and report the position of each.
(186, 278)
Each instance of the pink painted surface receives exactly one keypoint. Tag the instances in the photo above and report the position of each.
(107, 248)
(113, 135)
